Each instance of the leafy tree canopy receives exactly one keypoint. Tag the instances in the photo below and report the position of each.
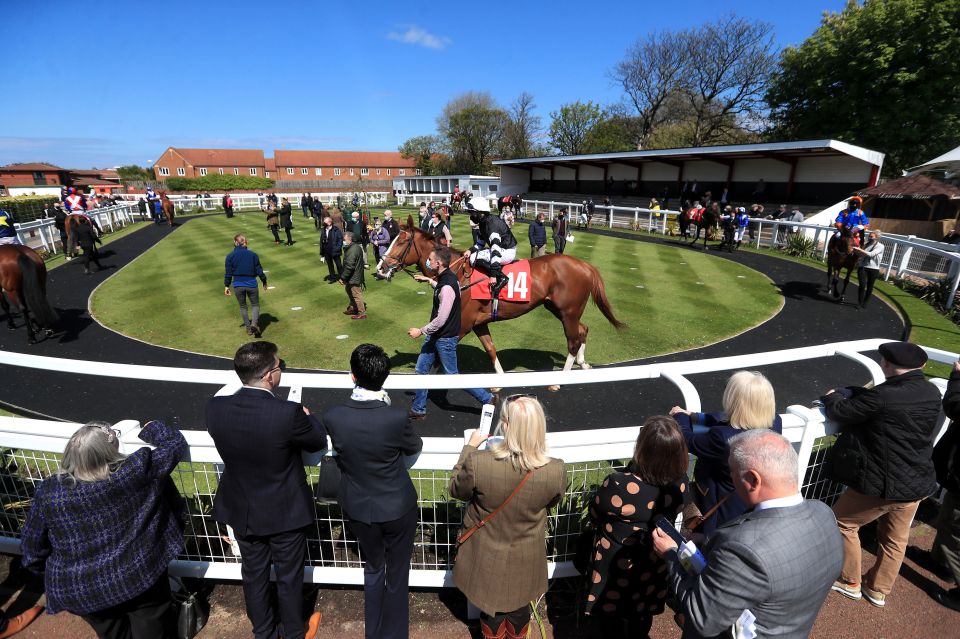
(883, 75)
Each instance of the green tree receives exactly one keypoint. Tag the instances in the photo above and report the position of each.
(883, 75)
(613, 133)
(423, 148)
(571, 126)
(132, 172)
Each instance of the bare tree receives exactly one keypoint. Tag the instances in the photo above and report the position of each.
(522, 129)
(730, 64)
(471, 127)
(652, 70)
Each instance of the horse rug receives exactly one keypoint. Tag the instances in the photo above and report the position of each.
(516, 290)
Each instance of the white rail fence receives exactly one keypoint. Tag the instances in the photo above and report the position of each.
(903, 255)
(30, 451)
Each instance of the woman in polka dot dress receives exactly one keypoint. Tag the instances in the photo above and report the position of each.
(628, 582)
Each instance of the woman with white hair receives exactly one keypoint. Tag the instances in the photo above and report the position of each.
(103, 528)
(748, 402)
(509, 487)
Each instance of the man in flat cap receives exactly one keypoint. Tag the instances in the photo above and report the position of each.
(884, 455)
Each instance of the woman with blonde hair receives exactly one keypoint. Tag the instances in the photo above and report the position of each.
(103, 528)
(748, 402)
(509, 487)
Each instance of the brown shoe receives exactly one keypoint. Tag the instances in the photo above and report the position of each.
(256, 330)
(414, 416)
(350, 311)
(21, 621)
(249, 330)
(312, 630)
(359, 316)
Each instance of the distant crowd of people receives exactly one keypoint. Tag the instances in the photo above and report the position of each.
(753, 558)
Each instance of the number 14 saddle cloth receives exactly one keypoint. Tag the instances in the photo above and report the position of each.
(516, 290)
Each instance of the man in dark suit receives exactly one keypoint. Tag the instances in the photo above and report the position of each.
(263, 492)
(778, 561)
(377, 496)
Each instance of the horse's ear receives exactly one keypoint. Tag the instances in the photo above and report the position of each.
(410, 221)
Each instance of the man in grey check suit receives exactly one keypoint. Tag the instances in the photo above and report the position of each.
(778, 561)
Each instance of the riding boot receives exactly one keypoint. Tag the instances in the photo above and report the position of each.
(497, 286)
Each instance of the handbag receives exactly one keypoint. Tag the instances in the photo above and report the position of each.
(844, 462)
(328, 482)
(584, 549)
(192, 612)
(483, 522)
(693, 518)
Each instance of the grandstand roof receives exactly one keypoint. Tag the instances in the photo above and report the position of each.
(774, 150)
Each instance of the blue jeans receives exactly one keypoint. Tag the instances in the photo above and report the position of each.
(446, 349)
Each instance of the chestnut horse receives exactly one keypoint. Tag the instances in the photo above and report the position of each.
(561, 283)
(23, 280)
(513, 201)
(169, 210)
(840, 255)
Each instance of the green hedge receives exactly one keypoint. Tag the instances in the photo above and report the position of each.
(27, 207)
(218, 183)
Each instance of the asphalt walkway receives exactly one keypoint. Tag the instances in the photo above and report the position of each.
(807, 318)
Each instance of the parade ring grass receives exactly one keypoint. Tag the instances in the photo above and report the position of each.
(671, 298)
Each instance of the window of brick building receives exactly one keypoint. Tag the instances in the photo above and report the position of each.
(403, 172)
(236, 171)
(220, 170)
(304, 171)
(253, 171)
(181, 171)
(351, 171)
(388, 171)
(289, 170)
(164, 170)
(203, 171)
(419, 171)
(336, 172)
(319, 171)
(364, 171)
(378, 171)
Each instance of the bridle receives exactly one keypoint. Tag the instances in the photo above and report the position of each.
(398, 262)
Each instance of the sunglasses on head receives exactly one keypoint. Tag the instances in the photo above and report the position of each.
(282, 366)
(517, 396)
(109, 431)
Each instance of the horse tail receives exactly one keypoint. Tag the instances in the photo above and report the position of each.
(33, 293)
(599, 293)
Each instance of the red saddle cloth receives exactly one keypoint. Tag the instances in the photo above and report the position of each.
(517, 288)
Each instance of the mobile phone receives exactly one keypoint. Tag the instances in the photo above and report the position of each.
(486, 419)
(670, 530)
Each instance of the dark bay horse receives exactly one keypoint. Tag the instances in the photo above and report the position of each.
(513, 201)
(705, 220)
(840, 255)
(460, 198)
(23, 280)
(169, 210)
(561, 283)
(70, 225)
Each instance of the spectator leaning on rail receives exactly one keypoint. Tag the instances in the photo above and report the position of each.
(884, 457)
(103, 528)
(263, 492)
(377, 497)
(748, 403)
(501, 561)
(628, 582)
(770, 569)
(944, 559)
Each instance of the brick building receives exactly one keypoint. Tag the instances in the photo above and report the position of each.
(340, 165)
(194, 163)
(25, 177)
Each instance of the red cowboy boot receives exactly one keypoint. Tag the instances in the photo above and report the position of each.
(489, 633)
(515, 633)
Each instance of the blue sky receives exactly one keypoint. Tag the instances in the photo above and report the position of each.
(99, 83)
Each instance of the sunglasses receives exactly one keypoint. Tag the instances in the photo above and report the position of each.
(282, 366)
(511, 398)
(109, 431)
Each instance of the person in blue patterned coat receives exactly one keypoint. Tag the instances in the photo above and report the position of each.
(104, 527)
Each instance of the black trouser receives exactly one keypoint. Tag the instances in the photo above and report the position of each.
(559, 242)
(866, 277)
(615, 627)
(275, 229)
(285, 551)
(333, 267)
(146, 616)
(90, 254)
(289, 237)
(386, 548)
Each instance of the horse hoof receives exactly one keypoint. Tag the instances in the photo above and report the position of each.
(585, 367)
(48, 332)
(554, 388)
(495, 390)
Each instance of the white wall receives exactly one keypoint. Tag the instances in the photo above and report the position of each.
(539, 173)
(513, 181)
(622, 172)
(30, 190)
(768, 170)
(704, 171)
(833, 169)
(657, 171)
(591, 173)
(564, 173)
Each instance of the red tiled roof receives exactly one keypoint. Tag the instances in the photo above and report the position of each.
(103, 174)
(271, 164)
(918, 187)
(221, 157)
(359, 159)
(31, 166)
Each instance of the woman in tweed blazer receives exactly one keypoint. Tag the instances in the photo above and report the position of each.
(503, 566)
(104, 527)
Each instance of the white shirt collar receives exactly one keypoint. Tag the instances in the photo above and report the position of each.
(260, 389)
(780, 502)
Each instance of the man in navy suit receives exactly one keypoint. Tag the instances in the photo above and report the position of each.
(263, 492)
(377, 496)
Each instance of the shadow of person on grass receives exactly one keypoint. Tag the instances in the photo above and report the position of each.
(266, 319)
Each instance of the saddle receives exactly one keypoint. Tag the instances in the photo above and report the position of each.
(516, 290)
